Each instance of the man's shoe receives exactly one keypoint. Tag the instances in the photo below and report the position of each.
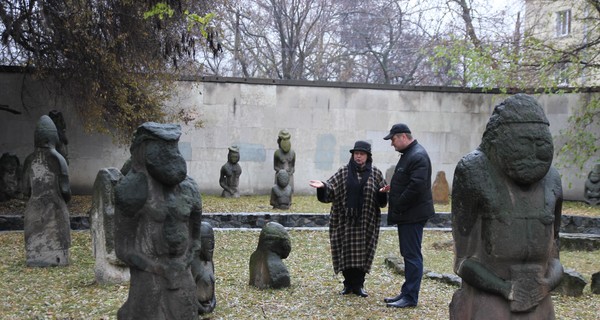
(402, 303)
(360, 292)
(347, 290)
(393, 299)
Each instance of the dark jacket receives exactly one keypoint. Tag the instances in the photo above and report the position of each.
(410, 197)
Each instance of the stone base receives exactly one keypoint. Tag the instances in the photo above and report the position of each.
(48, 258)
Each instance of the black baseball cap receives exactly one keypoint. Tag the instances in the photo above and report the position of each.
(397, 128)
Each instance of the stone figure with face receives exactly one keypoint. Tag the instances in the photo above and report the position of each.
(230, 174)
(284, 157)
(157, 227)
(203, 270)
(506, 206)
(267, 269)
(592, 187)
(281, 193)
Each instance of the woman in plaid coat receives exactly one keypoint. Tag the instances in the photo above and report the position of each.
(354, 191)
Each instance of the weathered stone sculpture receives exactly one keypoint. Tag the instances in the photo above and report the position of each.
(61, 127)
(157, 217)
(281, 192)
(10, 177)
(107, 269)
(506, 208)
(46, 218)
(203, 270)
(592, 187)
(230, 174)
(266, 265)
(284, 157)
(440, 189)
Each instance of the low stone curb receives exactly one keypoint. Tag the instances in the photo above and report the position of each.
(570, 224)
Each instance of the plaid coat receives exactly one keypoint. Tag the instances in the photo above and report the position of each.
(353, 245)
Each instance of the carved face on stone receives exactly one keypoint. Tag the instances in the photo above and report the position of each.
(283, 178)
(164, 162)
(233, 157)
(524, 151)
(285, 145)
(207, 239)
(594, 175)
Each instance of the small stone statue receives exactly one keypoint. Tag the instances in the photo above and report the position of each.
(440, 189)
(592, 187)
(230, 174)
(284, 157)
(281, 193)
(62, 145)
(203, 270)
(158, 212)
(46, 218)
(266, 266)
(10, 177)
(107, 268)
(506, 213)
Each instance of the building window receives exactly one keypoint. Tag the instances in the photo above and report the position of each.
(563, 23)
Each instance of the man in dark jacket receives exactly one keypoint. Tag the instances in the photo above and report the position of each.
(410, 206)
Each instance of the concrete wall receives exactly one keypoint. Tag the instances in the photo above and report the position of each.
(324, 121)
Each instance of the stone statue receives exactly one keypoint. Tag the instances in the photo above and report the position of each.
(284, 157)
(10, 177)
(46, 218)
(592, 187)
(61, 126)
(440, 189)
(158, 212)
(506, 212)
(107, 269)
(281, 192)
(230, 174)
(266, 265)
(203, 270)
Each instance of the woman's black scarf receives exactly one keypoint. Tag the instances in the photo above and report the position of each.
(355, 187)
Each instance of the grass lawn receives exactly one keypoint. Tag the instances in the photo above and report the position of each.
(70, 292)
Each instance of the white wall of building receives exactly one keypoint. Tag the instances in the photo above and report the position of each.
(324, 122)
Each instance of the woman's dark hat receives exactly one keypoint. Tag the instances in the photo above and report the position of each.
(361, 146)
(397, 128)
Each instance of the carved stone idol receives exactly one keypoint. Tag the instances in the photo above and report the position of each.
(281, 193)
(506, 209)
(284, 157)
(157, 227)
(203, 270)
(440, 189)
(592, 187)
(107, 269)
(266, 265)
(230, 174)
(10, 177)
(46, 218)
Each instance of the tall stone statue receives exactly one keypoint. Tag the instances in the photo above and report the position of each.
(230, 174)
(281, 192)
(592, 187)
(266, 265)
(506, 209)
(203, 270)
(107, 268)
(10, 177)
(59, 121)
(46, 218)
(284, 157)
(158, 212)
